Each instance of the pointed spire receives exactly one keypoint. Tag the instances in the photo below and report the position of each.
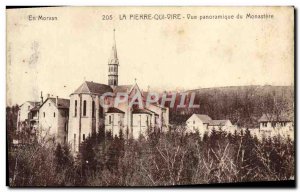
(114, 56)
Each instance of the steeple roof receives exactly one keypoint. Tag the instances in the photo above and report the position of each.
(114, 55)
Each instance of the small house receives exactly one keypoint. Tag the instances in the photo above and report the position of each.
(268, 121)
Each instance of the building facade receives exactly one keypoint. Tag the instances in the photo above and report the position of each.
(53, 119)
(27, 115)
(204, 124)
(88, 115)
(270, 121)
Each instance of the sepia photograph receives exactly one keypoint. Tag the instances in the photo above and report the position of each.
(150, 96)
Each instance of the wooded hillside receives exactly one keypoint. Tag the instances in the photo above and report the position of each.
(242, 105)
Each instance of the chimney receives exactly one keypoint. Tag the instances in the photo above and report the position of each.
(56, 101)
(42, 99)
(48, 95)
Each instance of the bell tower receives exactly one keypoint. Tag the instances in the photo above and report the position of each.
(113, 64)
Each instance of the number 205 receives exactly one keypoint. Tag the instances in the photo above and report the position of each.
(107, 17)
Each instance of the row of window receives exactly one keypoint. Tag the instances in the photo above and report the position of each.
(64, 114)
(112, 82)
(110, 119)
(85, 108)
(265, 124)
(44, 114)
(113, 69)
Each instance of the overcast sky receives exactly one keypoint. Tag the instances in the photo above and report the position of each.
(57, 56)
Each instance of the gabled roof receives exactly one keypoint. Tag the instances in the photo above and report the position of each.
(36, 108)
(141, 111)
(93, 88)
(218, 122)
(33, 103)
(122, 88)
(203, 118)
(114, 110)
(272, 117)
(62, 103)
(152, 112)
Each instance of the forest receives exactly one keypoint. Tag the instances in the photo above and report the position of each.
(160, 159)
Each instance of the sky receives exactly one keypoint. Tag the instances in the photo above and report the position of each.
(56, 57)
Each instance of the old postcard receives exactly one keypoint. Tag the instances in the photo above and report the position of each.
(150, 96)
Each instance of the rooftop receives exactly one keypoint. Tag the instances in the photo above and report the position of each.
(272, 117)
(93, 88)
(204, 118)
(114, 110)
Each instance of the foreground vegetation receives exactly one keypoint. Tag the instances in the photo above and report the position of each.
(160, 159)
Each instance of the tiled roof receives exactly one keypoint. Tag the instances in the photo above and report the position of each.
(141, 111)
(36, 108)
(114, 110)
(62, 103)
(270, 118)
(122, 88)
(204, 118)
(218, 122)
(92, 87)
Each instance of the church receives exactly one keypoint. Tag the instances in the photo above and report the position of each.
(87, 116)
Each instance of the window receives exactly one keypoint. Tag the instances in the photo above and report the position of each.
(74, 141)
(44, 114)
(54, 114)
(75, 112)
(84, 108)
(66, 113)
(193, 122)
(93, 109)
(109, 120)
(49, 104)
(83, 137)
(264, 124)
(28, 108)
(100, 111)
(66, 127)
